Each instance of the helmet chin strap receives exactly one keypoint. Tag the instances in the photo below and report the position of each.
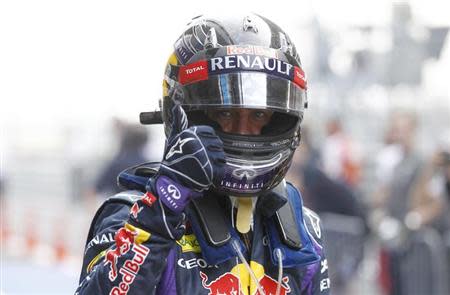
(244, 216)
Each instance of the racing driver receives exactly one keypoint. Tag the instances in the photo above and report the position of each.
(215, 216)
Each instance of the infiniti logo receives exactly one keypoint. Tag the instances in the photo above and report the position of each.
(243, 172)
(174, 192)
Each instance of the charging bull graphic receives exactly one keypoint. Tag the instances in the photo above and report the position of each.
(124, 239)
(226, 284)
(229, 284)
(269, 286)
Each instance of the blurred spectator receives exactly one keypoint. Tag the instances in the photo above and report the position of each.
(2, 189)
(397, 168)
(326, 195)
(339, 156)
(431, 195)
(4, 231)
(133, 139)
(320, 192)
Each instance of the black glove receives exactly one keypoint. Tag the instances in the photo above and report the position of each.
(193, 161)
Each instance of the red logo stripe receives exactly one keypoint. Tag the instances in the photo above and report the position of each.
(193, 72)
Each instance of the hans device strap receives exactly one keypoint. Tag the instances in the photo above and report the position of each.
(275, 206)
(285, 220)
(212, 220)
(210, 214)
(287, 227)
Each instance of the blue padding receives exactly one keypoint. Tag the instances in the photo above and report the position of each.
(292, 257)
(131, 181)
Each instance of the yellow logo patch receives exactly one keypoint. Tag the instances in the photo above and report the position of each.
(142, 235)
(189, 243)
(247, 283)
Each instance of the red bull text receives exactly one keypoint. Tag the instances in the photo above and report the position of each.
(130, 269)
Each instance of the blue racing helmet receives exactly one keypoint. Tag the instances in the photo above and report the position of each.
(243, 61)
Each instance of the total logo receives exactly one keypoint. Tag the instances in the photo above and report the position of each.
(194, 69)
(229, 284)
(193, 72)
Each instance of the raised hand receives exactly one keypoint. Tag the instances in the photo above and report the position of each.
(193, 161)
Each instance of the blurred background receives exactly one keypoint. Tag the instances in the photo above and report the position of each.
(375, 159)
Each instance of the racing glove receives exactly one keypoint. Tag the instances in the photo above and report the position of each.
(193, 161)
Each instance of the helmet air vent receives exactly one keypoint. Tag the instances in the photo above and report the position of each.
(286, 46)
(249, 24)
(211, 39)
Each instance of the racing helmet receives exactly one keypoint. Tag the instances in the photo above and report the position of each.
(245, 62)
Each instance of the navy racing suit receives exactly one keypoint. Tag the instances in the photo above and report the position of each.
(137, 246)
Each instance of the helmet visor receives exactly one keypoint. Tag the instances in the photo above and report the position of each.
(245, 90)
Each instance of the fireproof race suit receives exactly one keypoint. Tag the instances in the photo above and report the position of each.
(137, 246)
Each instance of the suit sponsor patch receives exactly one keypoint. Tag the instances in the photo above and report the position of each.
(189, 243)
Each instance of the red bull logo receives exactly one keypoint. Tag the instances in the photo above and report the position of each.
(269, 286)
(226, 284)
(135, 210)
(124, 239)
(229, 284)
(130, 269)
